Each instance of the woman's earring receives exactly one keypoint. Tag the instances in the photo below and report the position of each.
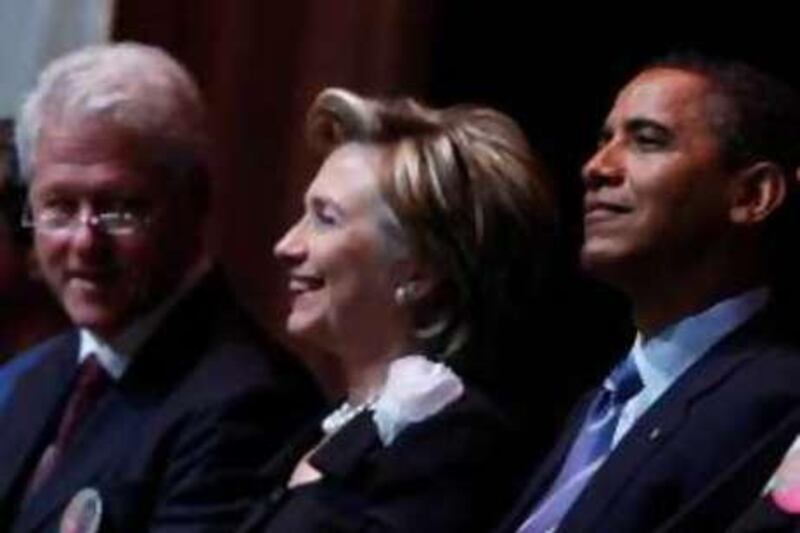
(404, 294)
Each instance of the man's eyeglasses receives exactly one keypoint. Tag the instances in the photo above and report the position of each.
(59, 222)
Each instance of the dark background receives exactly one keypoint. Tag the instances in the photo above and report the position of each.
(555, 68)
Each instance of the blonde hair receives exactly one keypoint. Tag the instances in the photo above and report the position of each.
(473, 200)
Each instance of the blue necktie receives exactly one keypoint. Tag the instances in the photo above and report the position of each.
(591, 447)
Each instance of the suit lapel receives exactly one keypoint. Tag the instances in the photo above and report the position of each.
(35, 407)
(739, 484)
(654, 429)
(547, 472)
(175, 344)
(346, 449)
(106, 430)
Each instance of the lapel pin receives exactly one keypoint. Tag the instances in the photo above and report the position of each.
(655, 433)
(83, 513)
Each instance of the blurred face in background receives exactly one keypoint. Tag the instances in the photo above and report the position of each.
(13, 252)
(13, 258)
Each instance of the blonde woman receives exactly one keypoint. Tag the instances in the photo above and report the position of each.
(419, 231)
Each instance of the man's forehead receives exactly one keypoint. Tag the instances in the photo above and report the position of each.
(664, 95)
(77, 134)
(88, 161)
(109, 152)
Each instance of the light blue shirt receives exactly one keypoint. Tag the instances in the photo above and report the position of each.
(664, 357)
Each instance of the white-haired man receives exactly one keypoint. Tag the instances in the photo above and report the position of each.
(155, 411)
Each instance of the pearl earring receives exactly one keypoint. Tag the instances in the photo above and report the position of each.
(403, 294)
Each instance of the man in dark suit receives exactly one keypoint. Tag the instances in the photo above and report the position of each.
(154, 413)
(684, 198)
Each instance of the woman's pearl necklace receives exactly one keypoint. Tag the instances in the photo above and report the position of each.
(344, 414)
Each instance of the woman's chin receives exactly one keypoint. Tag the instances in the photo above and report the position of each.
(303, 328)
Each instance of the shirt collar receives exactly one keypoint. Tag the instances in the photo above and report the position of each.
(115, 355)
(662, 358)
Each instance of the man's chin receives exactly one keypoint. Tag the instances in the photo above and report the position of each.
(594, 257)
(105, 323)
(602, 263)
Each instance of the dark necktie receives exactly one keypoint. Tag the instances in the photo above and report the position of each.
(591, 447)
(89, 384)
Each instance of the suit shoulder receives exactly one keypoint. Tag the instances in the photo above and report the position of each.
(250, 367)
(772, 367)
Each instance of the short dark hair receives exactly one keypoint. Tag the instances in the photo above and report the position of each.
(756, 115)
(757, 118)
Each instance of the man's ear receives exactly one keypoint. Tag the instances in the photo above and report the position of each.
(758, 191)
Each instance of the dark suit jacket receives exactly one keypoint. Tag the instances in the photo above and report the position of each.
(745, 386)
(765, 517)
(741, 487)
(450, 473)
(10, 371)
(175, 444)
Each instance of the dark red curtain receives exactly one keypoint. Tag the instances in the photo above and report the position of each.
(260, 64)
